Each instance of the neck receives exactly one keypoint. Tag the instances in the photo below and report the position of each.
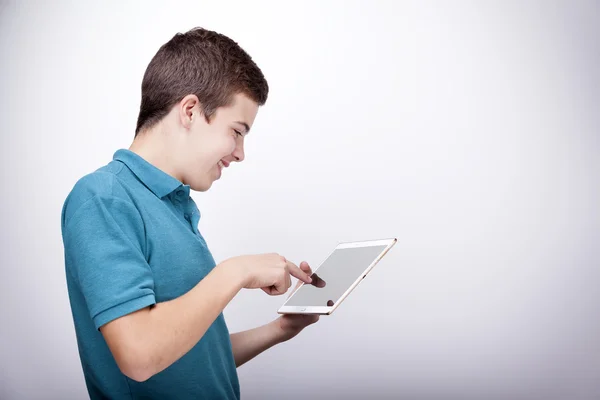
(153, 146)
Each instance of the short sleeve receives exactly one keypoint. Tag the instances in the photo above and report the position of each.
(104, 241)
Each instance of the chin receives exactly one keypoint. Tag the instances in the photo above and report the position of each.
(201, 186)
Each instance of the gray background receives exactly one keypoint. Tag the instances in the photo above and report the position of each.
(469, 130)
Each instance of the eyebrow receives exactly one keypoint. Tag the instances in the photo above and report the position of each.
(245, 125)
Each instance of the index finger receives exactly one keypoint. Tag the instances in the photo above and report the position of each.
(297, 272)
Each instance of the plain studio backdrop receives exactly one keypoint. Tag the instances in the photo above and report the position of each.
(468, 131)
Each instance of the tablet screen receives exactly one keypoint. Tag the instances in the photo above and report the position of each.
(339, 271)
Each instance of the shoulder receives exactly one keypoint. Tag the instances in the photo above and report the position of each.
(100, 186)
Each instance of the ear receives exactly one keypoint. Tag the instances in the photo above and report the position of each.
(189, 110)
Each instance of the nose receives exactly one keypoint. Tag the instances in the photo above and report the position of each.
(238, 153)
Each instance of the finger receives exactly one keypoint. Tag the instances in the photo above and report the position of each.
(309, 319)
(280, 287)
(287, 282)
(295, 271)
(305, 267)
(298, 273)
(318, 281)
(270, 290)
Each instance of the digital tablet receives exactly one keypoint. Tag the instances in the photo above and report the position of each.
(332, 281)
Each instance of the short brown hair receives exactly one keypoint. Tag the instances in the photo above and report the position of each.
(201, 62)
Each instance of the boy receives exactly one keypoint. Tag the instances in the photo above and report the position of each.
(146, 294)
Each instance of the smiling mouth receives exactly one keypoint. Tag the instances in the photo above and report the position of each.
(222, 164)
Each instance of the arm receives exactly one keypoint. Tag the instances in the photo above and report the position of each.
(147, 341)
(248, 344)
(104, 238)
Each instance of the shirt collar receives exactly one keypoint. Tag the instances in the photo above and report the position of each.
(158, 181)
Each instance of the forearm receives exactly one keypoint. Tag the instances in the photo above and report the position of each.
(248, 344)
(160, 335)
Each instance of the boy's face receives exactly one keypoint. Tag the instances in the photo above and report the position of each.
(209, 147)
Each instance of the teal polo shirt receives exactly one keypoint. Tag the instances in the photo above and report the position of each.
(131, 239)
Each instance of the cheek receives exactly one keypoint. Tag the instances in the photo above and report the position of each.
(227, 147)
(218, 149)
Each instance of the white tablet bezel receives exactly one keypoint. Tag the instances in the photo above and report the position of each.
(324, 310)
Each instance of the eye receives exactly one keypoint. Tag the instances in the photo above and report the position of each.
(237, 132)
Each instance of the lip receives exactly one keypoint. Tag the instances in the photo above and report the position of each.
(225, 163)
